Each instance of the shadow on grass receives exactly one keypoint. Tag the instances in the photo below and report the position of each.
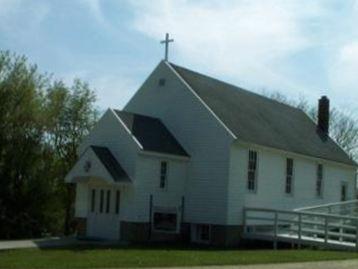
(85, 245)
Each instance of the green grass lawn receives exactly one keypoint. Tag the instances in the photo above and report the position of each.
(95, 257)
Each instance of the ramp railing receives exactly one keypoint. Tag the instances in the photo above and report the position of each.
(301, 227)
(349, 208)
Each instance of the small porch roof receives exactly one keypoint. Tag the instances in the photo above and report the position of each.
(98, 162)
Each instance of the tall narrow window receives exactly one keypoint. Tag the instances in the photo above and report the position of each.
(101, 198)
(344, 192)
(319, 181)
(163, 174)
(252, 171)
(93, 200)
(108, 202)
(289, 176)
(118, 200)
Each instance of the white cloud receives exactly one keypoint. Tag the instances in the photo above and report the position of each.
(95, 8)
(253, 43)
(8, 6)
(112, 89)
(245, 39)
(344, 72)
(22, 17)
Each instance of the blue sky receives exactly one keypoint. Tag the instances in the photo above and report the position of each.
(300, 48)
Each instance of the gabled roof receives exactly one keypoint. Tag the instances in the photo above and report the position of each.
(260, 120)
(111, 164)
(151, 133)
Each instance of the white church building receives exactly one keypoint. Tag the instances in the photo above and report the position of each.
(188, 153)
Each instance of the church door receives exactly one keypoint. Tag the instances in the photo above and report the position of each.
(103, 216)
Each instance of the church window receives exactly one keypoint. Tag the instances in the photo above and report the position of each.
(108, 201)
(118, 200)
(101, 198)
(289, 176)
(163, 175)
(319, 180)
(161, 82)
(252, 171)
(93, 200)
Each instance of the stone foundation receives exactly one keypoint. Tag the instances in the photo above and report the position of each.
(134, 231)
(81, 227)
(221, 235)
(226, 235)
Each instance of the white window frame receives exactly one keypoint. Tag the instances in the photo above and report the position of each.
(196, 234)
(254, 190)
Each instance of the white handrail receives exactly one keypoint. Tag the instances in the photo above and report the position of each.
(326, 205)
(299, 224)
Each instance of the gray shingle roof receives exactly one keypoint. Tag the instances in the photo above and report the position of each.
(259, 120)
(151, 133)
(111, 164)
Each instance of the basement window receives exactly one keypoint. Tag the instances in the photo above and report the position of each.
(201, 233)
(165, 222)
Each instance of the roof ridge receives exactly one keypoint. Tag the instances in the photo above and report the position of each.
(279, 125)
(235, 86)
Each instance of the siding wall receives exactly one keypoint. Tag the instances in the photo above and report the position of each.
(81, 204)
(110, 133)
(271, 182)
(202, 136)
(147, 183)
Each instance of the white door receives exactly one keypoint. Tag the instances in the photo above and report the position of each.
(103, 215)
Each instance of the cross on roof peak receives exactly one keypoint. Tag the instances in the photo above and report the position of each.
(166, 41)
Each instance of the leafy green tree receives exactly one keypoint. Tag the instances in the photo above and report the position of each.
(71, 115)
(21, 148)
(41, 125)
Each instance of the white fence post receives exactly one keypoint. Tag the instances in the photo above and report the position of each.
(325, 231)
(275, 230)
(356, 235)
(244, 220)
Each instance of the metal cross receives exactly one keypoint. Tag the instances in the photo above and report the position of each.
(166, 42)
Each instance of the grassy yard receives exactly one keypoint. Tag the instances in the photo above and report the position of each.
(88, 257)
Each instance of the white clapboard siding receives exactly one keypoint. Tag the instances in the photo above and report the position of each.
(202, 136)
(109, 132)
(271, 181)
(81, 203)
(147, 183)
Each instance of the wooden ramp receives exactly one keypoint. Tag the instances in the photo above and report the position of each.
(325, 226)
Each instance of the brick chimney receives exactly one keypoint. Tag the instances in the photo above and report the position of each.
(323, 115)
